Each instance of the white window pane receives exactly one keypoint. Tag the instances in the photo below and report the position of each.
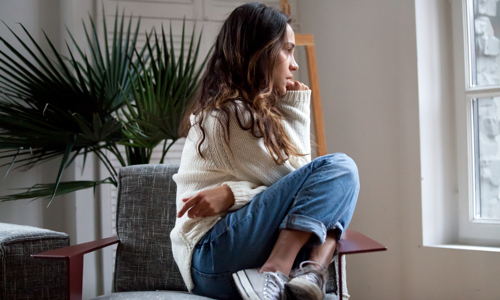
(487, 127)
(485, 53)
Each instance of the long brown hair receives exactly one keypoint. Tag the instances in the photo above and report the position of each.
(241, 68)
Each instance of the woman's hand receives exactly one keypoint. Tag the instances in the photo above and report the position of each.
(208, 202)
(294, 85)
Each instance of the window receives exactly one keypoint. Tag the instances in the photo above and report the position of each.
(459, 93)
(476, 28)
(483, 21)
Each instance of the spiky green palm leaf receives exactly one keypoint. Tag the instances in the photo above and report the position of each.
(40, 191)
(52, 106)
(162, 92)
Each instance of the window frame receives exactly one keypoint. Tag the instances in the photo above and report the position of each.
(471, 230)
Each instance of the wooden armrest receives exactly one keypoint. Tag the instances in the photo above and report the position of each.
(353, 242)
(74, 262)
(75, 250)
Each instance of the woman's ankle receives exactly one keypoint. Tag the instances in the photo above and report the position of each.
(269, 267)
(319, 264)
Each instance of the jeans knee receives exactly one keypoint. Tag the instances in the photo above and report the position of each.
(352, 170)
(347, 166)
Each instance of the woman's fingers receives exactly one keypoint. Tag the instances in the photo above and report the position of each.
(294, 85)
(207, 202)
(187, 205)
(194, 207)
(303, 87)
(201, 212)
(197, 209)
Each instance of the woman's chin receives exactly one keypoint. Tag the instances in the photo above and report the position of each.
(282, 92)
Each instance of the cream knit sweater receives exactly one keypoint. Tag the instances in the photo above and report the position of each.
(249, 172)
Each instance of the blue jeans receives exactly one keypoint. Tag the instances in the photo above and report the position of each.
(318, 197)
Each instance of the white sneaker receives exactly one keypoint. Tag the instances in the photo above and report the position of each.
(253, 285)
(307, 282)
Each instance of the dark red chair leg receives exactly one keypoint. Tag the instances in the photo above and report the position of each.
(73, 255)
(354, 242)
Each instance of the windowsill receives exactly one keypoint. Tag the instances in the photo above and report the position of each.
(465, 247)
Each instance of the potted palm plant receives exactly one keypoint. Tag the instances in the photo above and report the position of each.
(55, 106)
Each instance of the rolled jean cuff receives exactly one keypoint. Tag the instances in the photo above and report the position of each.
(307, 224)
(337, 226)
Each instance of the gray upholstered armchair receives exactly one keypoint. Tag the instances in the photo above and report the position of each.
(144, 267)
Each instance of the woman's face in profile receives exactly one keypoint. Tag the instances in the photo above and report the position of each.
(285, 64)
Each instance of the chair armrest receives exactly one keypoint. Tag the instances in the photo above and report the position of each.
(353, 242)
(74, 258)
(75, 250)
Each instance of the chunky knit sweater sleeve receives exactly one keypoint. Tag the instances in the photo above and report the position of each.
(295, 107)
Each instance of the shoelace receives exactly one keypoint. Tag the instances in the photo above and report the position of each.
(317, 276)
(273, 286)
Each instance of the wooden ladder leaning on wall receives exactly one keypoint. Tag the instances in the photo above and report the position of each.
(307, 40)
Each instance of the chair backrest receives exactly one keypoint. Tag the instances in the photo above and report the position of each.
(146, 214)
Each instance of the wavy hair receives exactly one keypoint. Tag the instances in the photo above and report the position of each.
(241, 68)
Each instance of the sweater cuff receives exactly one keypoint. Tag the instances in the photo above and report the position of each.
(296, 98)
(243, 193)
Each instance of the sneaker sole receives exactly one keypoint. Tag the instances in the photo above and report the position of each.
(301, 289)
(244, 286)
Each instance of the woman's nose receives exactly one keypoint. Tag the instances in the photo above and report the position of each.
(293, 65)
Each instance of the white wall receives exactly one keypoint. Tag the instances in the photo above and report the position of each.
(367, 63)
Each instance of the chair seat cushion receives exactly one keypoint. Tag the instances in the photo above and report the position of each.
(166, 295)
(157, 295)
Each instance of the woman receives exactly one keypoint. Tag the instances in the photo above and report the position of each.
(251, 204)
